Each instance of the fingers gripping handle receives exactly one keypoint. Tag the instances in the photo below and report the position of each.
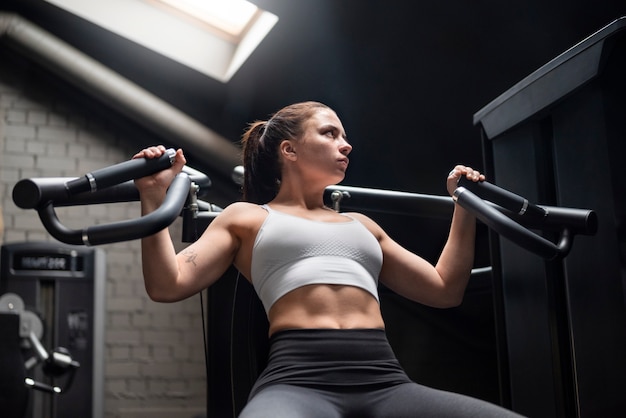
(119, 173)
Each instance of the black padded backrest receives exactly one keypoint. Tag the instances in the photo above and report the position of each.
(13, 391)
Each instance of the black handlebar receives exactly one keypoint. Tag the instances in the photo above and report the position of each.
(515, 210)
(506, 213)
(578, 221)
(510, 229)
(390, 201)
(126, 230)
(108, 185)
(504, 198)
(119, 173)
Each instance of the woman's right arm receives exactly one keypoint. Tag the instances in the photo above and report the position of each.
(168, 276)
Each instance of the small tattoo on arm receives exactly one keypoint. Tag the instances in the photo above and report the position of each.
(190, 256)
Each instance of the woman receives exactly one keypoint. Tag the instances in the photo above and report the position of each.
(316, 272)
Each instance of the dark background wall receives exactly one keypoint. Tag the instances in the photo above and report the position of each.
(406, 78)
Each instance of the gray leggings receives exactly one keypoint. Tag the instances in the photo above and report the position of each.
(348, 373)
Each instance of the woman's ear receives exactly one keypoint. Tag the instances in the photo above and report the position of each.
(288, 150)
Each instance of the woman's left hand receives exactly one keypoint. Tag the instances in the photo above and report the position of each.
(462, 170)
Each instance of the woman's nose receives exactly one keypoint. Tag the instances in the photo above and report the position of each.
(345, 148)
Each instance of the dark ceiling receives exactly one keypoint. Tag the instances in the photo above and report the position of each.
(405, 77)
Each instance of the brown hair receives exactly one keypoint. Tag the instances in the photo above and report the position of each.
(262, 168)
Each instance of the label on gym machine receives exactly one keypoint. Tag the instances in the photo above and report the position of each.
(47, 262)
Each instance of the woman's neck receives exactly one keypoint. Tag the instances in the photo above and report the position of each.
(303, 196)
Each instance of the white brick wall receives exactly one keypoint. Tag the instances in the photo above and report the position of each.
(154, 362)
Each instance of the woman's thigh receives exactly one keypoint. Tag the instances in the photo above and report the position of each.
(411, 400)
(288, 401)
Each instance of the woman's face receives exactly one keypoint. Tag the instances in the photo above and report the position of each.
(323, 150)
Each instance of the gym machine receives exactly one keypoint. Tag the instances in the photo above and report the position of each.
(559, 136)
(51, 296)
(507, 214)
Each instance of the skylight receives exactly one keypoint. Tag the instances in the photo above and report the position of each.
(214, 37)
(230, 16)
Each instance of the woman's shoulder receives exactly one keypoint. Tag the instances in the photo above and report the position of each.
(364, 219)
(242, 206)
(241, 212)
(368, 222)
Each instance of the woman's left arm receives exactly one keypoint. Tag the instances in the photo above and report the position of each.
(442, 285)
(457, 257)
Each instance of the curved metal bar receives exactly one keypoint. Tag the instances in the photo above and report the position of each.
(510, 229)
(199, 178)
(126, 230)
(565, 243)
(578, 221)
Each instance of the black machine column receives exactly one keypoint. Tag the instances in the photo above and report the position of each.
(558, 137)
(63, 289)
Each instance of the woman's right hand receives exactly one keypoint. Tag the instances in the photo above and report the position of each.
(155, 185)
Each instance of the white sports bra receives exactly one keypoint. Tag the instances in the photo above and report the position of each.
(290, 252)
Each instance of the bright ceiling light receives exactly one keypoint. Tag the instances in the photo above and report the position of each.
(231, 16)
(214, 37)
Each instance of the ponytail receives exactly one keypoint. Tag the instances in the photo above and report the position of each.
(262, 166)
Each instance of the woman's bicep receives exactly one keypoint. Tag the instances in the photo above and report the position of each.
(411, 276)
(205, 261)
